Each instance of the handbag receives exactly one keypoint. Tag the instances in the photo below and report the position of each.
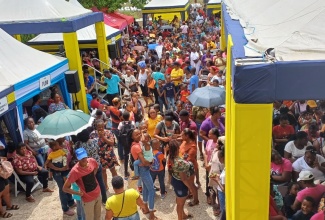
(116, 218)
(6, 169)
(134, 88)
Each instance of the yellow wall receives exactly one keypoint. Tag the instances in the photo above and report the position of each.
(248, 153)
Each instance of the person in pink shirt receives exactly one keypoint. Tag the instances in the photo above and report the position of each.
(306, 178)
(281, 169)
(318, 216)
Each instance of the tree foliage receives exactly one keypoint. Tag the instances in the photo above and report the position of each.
(112, 5)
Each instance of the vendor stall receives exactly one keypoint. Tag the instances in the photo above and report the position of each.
(36, 72)
(213, 7)
(166, 9)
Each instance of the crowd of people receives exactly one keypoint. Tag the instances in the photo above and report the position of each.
(297, 161)
(166, 139)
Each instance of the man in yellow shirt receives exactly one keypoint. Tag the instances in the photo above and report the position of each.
(124, 202)
(177, 75)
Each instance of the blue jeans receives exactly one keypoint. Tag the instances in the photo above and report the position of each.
(120, 149)
(161, 179)
(65, 198)
(135, 216)
(171, 103)
(162, 103)
(148, 191)
(198, 126)
(80, 211)
(222, 200)
(136, 164)
(100, 180)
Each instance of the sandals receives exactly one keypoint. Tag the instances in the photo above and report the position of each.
(188, 216)
(47, 190)
(216, 212)
(135, 178)
(5, 215)
(30, 199)
(192, 203)
(209, 200)
(13, 207)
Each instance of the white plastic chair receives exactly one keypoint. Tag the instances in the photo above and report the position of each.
(17, 180)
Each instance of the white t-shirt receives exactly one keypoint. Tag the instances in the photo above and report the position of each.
(222, 179)
(2, 144)
(221, 79)
(184, 29)
(295, 152)
(300, 164)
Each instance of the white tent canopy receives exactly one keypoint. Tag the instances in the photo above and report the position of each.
(293, 28)
(214, 2)
(38, 10)
(166, 3)
(84, 34)
(19, 62)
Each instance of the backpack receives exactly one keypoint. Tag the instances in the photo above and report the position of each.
(125, 135)
(6, 169)
(155, 162)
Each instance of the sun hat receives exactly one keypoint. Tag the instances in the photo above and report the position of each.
(81, 153)
(305, 175)
(311, 104)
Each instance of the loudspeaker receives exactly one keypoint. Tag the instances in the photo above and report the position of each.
(112, 51)
(72, 79)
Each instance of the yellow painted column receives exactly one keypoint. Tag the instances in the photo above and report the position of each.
(17, 37)
(223, 42)
(73, 54)
(102, 44)
(248, 153)
(229, 170)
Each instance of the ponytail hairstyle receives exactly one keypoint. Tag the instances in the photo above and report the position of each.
(173, 150)
(189, 133)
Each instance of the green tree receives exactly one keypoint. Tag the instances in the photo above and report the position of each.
(112, 5)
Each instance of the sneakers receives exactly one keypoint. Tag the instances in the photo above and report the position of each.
(164, 195)
(69, 212)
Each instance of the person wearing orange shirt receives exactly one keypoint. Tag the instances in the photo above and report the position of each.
(281, 134)
(184, 93)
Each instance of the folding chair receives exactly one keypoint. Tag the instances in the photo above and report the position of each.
(17, 180)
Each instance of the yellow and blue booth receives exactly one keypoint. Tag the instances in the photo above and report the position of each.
(56, 16)
(253, 84)
(213, 7)
(167, 9)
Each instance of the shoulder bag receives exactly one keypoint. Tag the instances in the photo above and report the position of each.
(116, 218)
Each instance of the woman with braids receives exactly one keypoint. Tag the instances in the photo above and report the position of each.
(182, 171)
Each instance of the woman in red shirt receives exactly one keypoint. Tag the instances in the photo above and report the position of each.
(281, 134)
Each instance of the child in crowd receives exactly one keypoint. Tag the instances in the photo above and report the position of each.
(58, 158)
(157, 167)
(80, 209)
(170, 93)
(147, 154)
(184, 93)
(100, 116)
(129, 107)
(289, 199)
(306, 212)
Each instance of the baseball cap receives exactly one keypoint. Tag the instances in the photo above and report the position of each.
(305, 175)
(183, 112)
(81, 153)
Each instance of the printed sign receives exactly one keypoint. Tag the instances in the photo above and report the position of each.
(44, 82)
(3, 105)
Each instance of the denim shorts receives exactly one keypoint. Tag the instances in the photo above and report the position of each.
(135, 216)
(180, 188)
(198, 125)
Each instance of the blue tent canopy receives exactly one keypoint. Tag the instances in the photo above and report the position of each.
(270, 81)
